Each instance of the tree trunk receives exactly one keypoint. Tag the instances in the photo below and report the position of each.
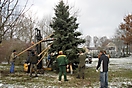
(0, 24)
(127, 50)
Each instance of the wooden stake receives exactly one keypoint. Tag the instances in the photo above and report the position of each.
(41, 58)
(45, 50)
(71, 68)
(33, 45)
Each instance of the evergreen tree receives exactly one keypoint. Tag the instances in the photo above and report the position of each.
(65, 34)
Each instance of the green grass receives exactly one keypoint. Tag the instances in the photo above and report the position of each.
(49, 78)
(120, 73)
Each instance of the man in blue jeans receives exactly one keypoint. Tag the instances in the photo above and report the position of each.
(103, 64)
(12, 61)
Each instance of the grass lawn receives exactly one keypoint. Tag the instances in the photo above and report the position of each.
(50, 78)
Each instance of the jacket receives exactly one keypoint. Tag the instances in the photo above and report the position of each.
(12, 58)
(33, 59)
(82, 58)
(62, 60)
(103, 63)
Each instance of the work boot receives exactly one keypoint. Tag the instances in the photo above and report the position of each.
(78, 77)
(66, 80)
(83, 77)
(36, 75)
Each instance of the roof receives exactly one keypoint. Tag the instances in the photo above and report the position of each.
(111, 44)
(92, 48)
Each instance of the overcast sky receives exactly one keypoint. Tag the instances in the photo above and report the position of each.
(96, 17)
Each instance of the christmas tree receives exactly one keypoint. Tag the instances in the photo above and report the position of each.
(66, 36)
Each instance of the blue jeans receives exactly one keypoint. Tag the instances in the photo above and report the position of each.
(12, 67)
(103, 79)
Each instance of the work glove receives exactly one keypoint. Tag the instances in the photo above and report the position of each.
(67, 66)
(16, 56)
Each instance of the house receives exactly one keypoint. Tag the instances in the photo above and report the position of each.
(93, 51)
(111, 47)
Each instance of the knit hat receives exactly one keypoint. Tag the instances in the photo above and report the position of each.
(14, 50)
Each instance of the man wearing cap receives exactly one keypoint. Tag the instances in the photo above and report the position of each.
(62, 63)
(33, 61)
(12, 60)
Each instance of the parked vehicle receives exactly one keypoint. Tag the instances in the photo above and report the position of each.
(88, 59)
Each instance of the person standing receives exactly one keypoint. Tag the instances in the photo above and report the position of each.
(33, 61)
(62, 62)
(106, 54)
(103, 62)
(48, 60)
(29, 54)
(81, 66)
(12, 61)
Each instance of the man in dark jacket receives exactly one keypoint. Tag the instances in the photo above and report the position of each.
(62, 63)
(33, 61)
(81, 66)
(103, 64)
(29, 53)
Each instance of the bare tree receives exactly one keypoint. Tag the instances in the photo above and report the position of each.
(95, 40)
(88, 40)
(9, 13)
(46, 30)
(126, 30)
(43, 25)
(119, 44)
(25, 28)
(103, 40)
